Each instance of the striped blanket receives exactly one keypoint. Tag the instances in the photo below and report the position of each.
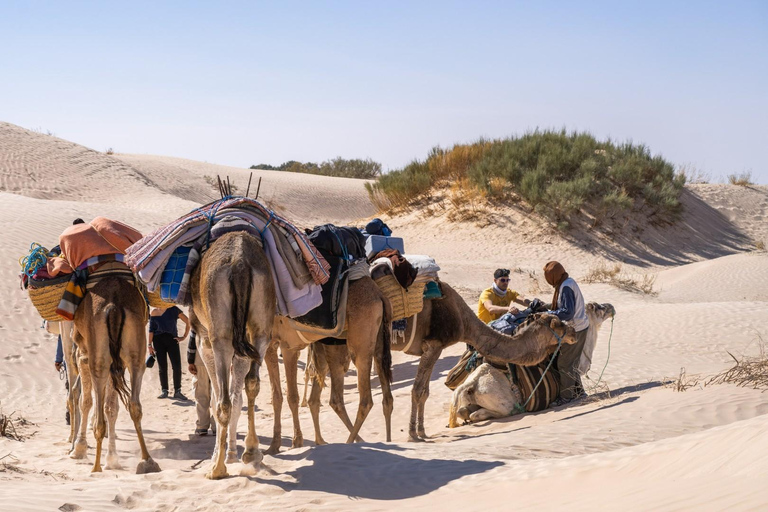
(85, 276)
(142, 252)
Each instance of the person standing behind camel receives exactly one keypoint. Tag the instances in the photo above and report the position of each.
(568, 305)
(201, 384)
(164, 341)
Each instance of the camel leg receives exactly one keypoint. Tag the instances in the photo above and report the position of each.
(68, 348)
(80, 447)
(290, 362)
(252, 455)
(363, 360)
(420, 391)
(223, 352)
(270, 359)
(307, 378)
(100, 376)
(321, 370)
(240, 367)
(111, 410)
(136, 369)
(485, 414)
(387, 402)
(335, 356)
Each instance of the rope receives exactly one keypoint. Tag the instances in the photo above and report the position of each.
(37, 258)
(609, 353)
(521, 408)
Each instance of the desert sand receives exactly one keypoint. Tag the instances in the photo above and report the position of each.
(636, 444)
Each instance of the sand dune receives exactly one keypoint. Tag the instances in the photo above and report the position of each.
(641, 446)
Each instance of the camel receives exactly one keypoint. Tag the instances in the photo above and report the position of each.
(64, 329)
(233, 309)
(110, 336)
(488, 393)
(449, 320)
(368, 342)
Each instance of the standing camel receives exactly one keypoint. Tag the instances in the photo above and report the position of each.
(488, 393)
(233, 309)
(110, 336)
(368, 341)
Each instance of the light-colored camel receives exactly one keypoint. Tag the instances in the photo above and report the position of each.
(449, 320)
(110, 336)
(488, 393)
(64, 329)
(368, 340)
(233, 309)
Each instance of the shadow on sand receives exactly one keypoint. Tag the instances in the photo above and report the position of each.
(350, 469)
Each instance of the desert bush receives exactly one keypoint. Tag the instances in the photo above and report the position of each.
(110, 151)
(742, 179)
(555, 172)
(614, 276)
(338, 167)
(760, 245)
(694, 175)
(749, 371)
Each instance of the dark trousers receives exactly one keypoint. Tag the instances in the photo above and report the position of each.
(166, 345)
(567, 365)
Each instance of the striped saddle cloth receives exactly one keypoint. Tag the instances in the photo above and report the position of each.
(526, 378)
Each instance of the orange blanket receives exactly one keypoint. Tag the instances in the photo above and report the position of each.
(83, 241)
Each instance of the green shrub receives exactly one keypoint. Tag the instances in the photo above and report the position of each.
(338, 167)
(555, 172)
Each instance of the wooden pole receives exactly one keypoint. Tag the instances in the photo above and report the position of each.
(258, 187)
(249, 184)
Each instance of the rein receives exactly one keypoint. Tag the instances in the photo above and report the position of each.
(521, 408)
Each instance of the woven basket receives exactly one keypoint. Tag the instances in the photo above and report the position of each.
(46, 296)
(405, 304)
(156, 301)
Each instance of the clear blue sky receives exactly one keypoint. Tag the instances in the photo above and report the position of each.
(239, 83)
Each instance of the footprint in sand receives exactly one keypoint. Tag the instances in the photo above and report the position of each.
(13, 357)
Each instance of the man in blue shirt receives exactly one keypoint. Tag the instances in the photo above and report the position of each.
(164, 341)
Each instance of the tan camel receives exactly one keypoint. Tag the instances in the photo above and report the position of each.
(110, 336)
(233, 309)
(368, 338)
(488, 393)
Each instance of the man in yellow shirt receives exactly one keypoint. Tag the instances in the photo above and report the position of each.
(498, 299)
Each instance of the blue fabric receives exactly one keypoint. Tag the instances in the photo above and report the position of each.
(400, 325)
(170, 279)
(432, 291)
(165, 323)
(59, 352)
(568, 301)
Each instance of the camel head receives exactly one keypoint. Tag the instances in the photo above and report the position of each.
(597, 313)
(563, 330)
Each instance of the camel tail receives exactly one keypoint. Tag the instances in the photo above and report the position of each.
(385, 341)
(115, 324)
(240, 282)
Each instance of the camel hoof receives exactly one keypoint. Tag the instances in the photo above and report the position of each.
(415, 439)
(113, 463)
(231, 456)
(252, 457)
(297, 442)
(320, 441)
(273, 449)
(96, 469)
(216, 475)
(147, 466)
(79, 451)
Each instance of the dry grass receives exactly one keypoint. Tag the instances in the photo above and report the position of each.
(747, 372)
(760, 245)
(110, 151)
(614, 276)
(13, 427)
(742, 179)
(694, 175)
(684, 381)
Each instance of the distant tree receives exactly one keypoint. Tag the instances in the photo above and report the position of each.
(264, 167)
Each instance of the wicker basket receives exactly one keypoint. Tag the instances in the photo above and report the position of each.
(405, 304)
(156, 301)
(46, 296)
